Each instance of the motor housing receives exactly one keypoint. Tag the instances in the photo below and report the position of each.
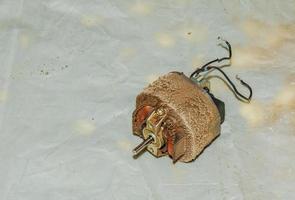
(177, 117)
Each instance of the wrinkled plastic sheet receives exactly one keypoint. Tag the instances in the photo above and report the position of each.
(69, 75)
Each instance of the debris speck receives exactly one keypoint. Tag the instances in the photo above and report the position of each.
(43, 72)
(64, 67)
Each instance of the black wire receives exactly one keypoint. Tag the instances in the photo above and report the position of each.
(233, 85)
(207, 67)
(228, 48)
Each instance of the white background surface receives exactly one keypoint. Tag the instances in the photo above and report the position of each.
(69, 75)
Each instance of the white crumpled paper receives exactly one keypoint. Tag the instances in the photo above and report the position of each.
(69, 75)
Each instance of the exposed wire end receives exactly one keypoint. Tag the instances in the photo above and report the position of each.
(247, 86)
(218, 60)
(208, 66)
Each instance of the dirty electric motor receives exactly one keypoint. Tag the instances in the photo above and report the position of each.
(178, 116)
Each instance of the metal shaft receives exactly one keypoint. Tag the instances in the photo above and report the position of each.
(142, 145)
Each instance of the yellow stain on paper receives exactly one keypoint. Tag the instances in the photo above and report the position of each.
(264, 42)
(284, 102)
(268, 35)
(3, 96)
(165, 40)
(127, 53)
(254, 113)
(141, 8)
(286, 97)
(84, 127)
(124, 145)
(24, 40)
(250, 56)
